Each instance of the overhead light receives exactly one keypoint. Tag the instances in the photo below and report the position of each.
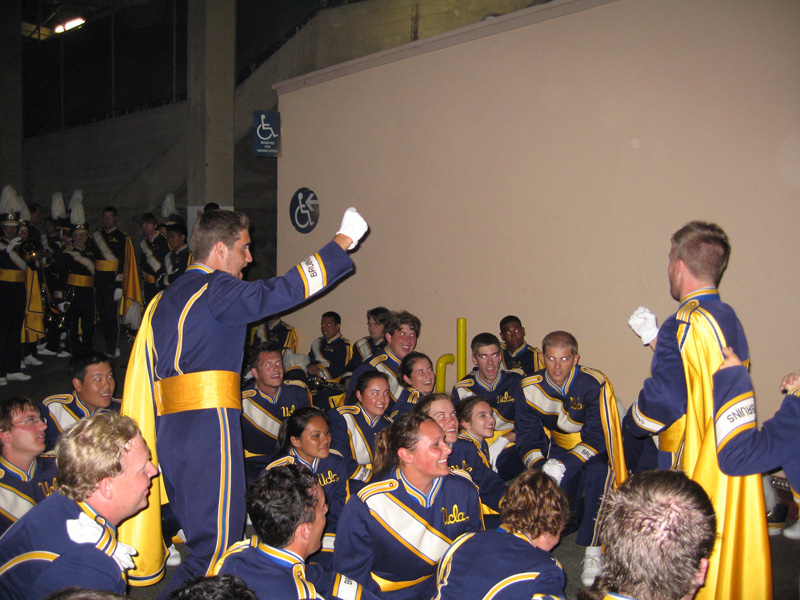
(69, 25)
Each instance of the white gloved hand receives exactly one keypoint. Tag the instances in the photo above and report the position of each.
(644, 324)
(353, 226)
(117, 294)
(62, 307)
(555, 468)
(13, 244)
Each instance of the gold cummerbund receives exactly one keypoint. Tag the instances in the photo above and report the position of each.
(80, 280)
(12, 275)
(391, 586)
(106, 265)
(195, 391)
(566, 440)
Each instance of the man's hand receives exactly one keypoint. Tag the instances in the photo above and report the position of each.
(117, 294)
(644, 324)
(13, 244)
(789, 382)
(731, 360)
(555, 468)
(353, 227)
(313, 370)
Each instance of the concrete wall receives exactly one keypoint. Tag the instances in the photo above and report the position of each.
(538, 163)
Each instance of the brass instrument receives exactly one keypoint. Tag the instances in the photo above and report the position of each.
(58, 317)
(316, 382)
(31, 250)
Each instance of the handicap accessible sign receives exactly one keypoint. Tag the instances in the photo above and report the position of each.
(266, 133)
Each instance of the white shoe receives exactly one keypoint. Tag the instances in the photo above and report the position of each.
(18, 377)
(63, 354)
(116, 353)
(174, 558)
(32, 360)
(792, 532)
(22, 365)
(591, 569)
(180, 535)
(3, 381)
(45, 352)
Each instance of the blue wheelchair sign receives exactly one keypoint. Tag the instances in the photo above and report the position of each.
(266, 133)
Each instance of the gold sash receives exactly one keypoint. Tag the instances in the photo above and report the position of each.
(195, 391)
(106, 265)
(391, 586)
(12, 275)
(80, 280)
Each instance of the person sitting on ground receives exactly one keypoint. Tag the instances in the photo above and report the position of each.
(518, 355)
(393, 533)
(329, 356)
(354, 426)
(372, 344)
(92, 376)
(26, 475)
(287, 507)
(217, 587)
(513, 561)
(70, 538)
(658, 530)
(418, 379)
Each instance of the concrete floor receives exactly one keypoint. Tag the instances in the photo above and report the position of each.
(51, 378)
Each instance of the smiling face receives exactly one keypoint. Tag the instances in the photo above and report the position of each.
(97, 387)
(175, 240)
(237, 258)
(375, 397)
(402, 341)
(487, 359)
(559, 362)
(427, 460)
(481, 424)
(315, 441)
(444, 413)
(422, 377)
(268, 372)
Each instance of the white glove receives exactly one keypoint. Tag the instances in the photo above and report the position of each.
(13, 244)
(555, 468)
(117, 294)
(353, 226)
(84, 530)
(644, 324)
(62, 307)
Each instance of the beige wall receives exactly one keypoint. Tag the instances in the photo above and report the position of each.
(539, 168)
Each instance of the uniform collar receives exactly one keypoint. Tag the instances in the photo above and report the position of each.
(706, 293)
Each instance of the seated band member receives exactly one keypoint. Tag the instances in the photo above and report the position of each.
(372, 344)
(418, 379)
(576, 406)
(513, 561)
(328, 357)
(659, 528)
(92, 376)
(266, 402)
(354, 426)
(26, 475)
(305, 439)
(518, 355)
(393, 533)
(287, 508)
(70, 538)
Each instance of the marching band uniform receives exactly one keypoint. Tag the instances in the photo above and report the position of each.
(114, 249)
(363, 350)
(52, 243)
(406, 402)
(175, 264)
(385, 362)
(50, 548)
(575, 416)
(500, 565)
(331, 356)
(280, 334)
(525, 360)
(192, 341)
(391, 536)
(62, 411)
(331, 473)
(77, 270)
(472, 456)
(21, 490)
(276, 573)
(353, 436)
(151, 262)
(13, 271)
(262, 416)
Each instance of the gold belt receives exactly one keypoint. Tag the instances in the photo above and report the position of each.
(391, 586)
(106, 265)
(149, 278)
(566, 440)
(195, 391)
(12, 275)
(80, 280)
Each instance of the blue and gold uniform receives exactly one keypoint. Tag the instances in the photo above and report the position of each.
(76, 271)
(280, 334)
(262, 416)
(386, 362)
(571, 423)
(331, 473)
(525, 360)
(276, 573)
(406, 402)
(363, 350)
(39, 556)
(191, 345)
(391, 535)
(21, 490)
(175, 264)
(353, 435)
(742, 448)
(13, 275)
(62, 411)
(677, 403)
(151, 262)
(114, 249)
(498, 565)
(472, 456)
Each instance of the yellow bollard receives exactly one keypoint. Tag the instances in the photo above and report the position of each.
(441, 371)
(461, 349)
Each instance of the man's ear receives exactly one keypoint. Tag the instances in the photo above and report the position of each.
(221, 250)
(77, 384)
(702, 571)
(106, 488)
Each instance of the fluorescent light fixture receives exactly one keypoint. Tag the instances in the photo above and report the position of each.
(69, 25)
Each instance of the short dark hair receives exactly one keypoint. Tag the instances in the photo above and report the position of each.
(403, 317)
(110, 209)
(258, 350)
(73, 592)
(218, 587)
(210, 206)
(332, 315)
(509, 319)
(656, 528)
(483, 339)
(295, 425)
(381, 314)
(704, 248)
(81, 361)
(407, 365)
(363, 381)
(12, 406)
(149, 217)
(177, 227)
(279, 501)
(466, 407)
(214, 226)
(560, 339)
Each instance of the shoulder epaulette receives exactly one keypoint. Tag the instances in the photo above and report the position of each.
(296, 382)
(601, 378)
(336, 452)
(685, 312)
(248, 394)
(348, 410)
(462, 473)
(532, 380)
(286, 460)
(376, 360)
(58, 398)
(117, 400)
(466, 382)
(381, 487)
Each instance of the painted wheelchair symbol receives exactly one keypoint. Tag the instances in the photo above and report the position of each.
(265, 131)
(305, 211)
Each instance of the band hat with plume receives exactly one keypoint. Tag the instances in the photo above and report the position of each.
(24, 211)
(57, 208)
(77, 214)
(9, 206)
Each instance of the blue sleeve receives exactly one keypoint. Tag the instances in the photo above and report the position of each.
(352, 555)
(531, 443)
(592, 434)
(340, 440)
(85, 567)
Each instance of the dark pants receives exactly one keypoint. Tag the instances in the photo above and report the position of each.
(105, 286)
(81, 320)
(12, 315)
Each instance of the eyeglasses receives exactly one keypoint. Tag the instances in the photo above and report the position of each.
(30, 421)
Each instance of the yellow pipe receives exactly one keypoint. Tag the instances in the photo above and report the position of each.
(461, 334)
(441, 371)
